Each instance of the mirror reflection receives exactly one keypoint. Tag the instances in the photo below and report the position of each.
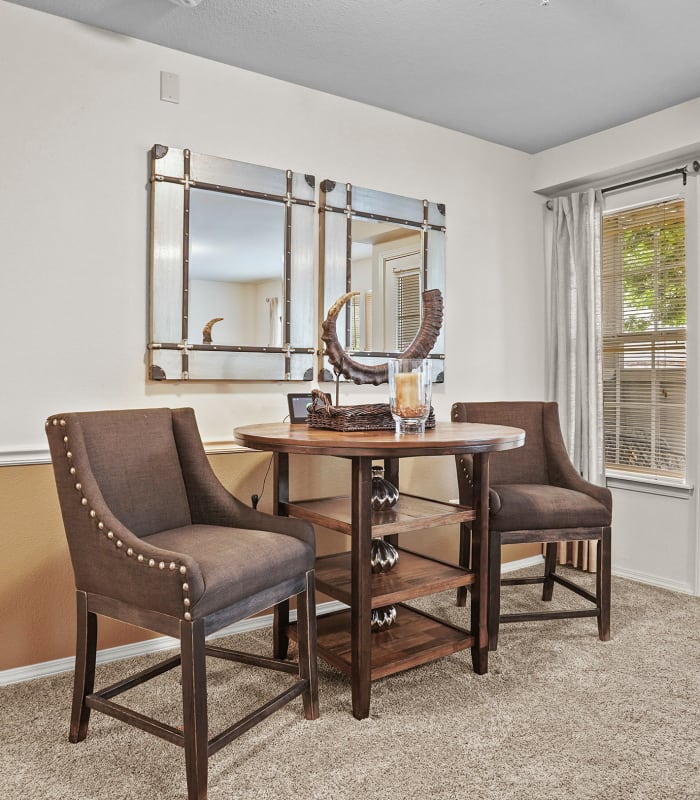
(389, 249)
(386, 271)
(236, 269)
(232, 270)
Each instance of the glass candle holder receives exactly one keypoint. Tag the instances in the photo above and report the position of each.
(409, 393)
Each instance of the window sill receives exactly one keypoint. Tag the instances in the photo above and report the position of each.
(637, 483)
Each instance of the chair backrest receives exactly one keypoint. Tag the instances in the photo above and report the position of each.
(526, 464)
(130, 457)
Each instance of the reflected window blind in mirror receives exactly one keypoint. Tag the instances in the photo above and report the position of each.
(387, 250)
(408, 308)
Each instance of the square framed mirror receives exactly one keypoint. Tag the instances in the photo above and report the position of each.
(387, 250)
(232, 272)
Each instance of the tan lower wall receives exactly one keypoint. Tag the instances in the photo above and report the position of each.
(36, 579)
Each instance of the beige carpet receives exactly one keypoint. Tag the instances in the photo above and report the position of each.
(560, 715)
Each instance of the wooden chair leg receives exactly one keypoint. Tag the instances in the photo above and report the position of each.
(194, 703)
(550, 568)
(84, 678)
(478, 607)
(280, 624)
(494, 598)
(306, 629)
(603, 585)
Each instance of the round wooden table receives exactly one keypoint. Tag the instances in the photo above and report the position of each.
(345, 639)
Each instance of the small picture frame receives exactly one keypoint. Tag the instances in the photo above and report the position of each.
(298, 406)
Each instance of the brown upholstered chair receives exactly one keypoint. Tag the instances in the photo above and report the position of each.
(157, 541)
(536, 495)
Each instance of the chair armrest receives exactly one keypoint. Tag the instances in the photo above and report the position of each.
(465, 478)
(562, 472)
(465, 483)
(210, 502)
(219, 507)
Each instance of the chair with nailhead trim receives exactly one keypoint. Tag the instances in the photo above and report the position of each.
(156, 541)
(537, 496)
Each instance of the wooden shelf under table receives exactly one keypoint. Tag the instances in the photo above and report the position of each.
(409, 514)
(415, 638)
(413, 576)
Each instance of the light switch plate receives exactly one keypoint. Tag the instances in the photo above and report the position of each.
(170, 87)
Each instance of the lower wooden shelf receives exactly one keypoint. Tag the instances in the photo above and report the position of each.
(415, 638)
(413, 576)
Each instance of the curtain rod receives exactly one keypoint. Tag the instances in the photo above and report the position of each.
(678, 171)
(695, 165)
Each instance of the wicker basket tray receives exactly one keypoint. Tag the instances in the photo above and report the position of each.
(370, 417)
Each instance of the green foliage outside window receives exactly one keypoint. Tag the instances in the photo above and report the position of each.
(654, 280)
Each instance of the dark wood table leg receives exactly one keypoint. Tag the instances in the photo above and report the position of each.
(480, 549)
(280, 619)
(361, 612)
(391, 473)
(465, 551)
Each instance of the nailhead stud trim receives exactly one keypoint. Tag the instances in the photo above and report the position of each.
(110, 534)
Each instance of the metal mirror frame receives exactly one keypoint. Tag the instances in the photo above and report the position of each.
(173, 355)
(355, 202)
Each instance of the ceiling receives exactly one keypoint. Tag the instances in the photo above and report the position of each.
(528, 74)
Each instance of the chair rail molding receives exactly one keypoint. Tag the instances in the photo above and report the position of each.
(27, 456)
(24, 456)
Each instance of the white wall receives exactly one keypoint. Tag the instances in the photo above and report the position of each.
(81, 109)
(669, 135)
(235, 303)
(655, 536)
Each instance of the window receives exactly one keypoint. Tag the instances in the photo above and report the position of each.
(355, 326)
(408, 308)
(361, 321)
(644, 339)
(369, 338)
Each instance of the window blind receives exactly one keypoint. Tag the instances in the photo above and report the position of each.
(369, 339)
(644, 339)
(408, 308)
(355, 328)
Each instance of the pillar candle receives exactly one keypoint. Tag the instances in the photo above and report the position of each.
(407, 389)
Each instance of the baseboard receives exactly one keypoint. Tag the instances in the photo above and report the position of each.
(653, 580)
(58, 665)
(639, 577)
(521, 563)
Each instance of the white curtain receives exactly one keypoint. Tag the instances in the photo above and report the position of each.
(574, 372)
(275, 323)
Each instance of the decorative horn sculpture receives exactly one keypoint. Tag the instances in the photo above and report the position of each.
(379, 373)
(206, 330)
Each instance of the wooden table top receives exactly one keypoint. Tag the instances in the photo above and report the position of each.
(445, 439)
